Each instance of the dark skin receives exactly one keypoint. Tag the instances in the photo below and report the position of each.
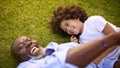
(21, 48)
(93, 49)
(116, 65)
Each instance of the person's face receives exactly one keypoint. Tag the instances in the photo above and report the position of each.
(72, 26)
(25, 47)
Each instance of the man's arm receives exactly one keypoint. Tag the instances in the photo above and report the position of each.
(83, 55)
(107, 30)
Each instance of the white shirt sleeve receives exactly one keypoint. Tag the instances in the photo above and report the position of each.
(99, 22)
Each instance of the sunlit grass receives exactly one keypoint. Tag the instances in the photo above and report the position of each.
(31, 18)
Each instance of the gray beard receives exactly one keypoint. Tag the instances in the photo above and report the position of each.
(39, 56)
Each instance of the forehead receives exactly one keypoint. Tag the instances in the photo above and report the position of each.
(19, 41)
(63, 23)
(67, 21)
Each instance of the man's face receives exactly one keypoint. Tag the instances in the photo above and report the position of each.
(26, 47)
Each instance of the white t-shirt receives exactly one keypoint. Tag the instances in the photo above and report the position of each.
(92, 30)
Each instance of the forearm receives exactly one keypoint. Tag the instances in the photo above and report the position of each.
(104, 54)
(106, 31)
(84, 54)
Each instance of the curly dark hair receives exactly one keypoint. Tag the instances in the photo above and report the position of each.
(66, 13)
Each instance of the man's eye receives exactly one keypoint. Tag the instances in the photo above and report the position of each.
(20, 46)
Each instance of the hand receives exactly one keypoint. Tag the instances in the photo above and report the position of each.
(73, 39)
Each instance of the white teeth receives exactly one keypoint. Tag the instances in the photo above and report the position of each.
(33, 50)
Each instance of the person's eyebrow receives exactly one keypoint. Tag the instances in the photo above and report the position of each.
(20, 45)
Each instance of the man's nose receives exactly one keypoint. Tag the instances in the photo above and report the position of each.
(28, 44)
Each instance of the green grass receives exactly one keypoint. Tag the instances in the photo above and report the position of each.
(31, 18)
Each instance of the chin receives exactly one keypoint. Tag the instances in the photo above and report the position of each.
(36, 57)
(39, 56)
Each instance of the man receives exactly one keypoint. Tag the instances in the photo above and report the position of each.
(69, 55)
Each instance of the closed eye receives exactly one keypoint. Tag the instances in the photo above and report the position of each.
(66, 26)
(21, 46)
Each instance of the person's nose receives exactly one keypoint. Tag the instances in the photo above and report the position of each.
(28, 44)
(69, 30)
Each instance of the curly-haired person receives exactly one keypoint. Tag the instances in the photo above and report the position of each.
(73, 21)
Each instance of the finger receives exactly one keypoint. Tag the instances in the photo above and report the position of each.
(72, 36)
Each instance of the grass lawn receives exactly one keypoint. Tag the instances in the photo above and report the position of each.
(31, 18)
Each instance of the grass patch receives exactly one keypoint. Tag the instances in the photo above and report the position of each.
(31, 18)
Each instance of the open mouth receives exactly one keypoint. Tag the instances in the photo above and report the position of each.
(34, 51)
